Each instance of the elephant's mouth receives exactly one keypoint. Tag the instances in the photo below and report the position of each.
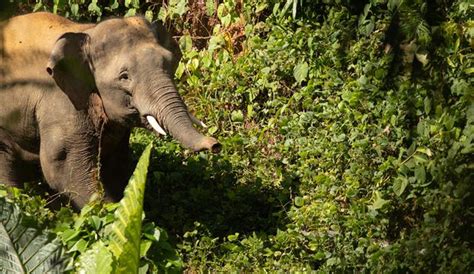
(131, 116)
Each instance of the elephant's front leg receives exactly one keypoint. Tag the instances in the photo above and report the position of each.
(69, 163)
(116, 169)
(16, 165)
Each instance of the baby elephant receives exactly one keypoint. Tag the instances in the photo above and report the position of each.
(71, 93)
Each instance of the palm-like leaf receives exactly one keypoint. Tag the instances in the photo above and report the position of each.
(23, 247)
(126, 230)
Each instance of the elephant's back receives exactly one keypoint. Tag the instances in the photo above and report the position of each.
(27, 40)
(37, 31)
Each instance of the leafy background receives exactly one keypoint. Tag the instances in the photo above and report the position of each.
(347, 131)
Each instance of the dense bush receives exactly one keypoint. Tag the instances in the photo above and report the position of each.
(347, 129)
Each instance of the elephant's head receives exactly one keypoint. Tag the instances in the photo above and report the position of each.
(130, 63)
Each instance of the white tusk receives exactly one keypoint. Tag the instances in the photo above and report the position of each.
(154, 124)
(196, 121)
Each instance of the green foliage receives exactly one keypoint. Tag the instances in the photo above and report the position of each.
(347, 131)
(126, 229)
(25, 248)
(347, 135)
(122, 246)
(101, 239)
(98, 259)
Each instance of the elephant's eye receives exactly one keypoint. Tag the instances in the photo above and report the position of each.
(123, 76)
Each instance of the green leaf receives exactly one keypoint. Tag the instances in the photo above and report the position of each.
(163, 14)
(93, 8)
(80, 246)
(186, 43)
(237, 116)
(38, 6)
(23, 247)
(180, 70)
(126, 229)
(157, 234)
(194, 64)
(212, 130)
(295, 6)
(221, 11)
(95, 222)
(424, 150)
(378, 201)
(131, 12)
(420, 174)
(469, 70)
(233, 237)
(420, 158)
(136, 4)
(149, 15)
(226, 20)
(300, 72)
(144, 269)
(411, 149)
(75, 9)
(144, 247)
(55, 6)
(210, 7)
(299, 202)
(70, 235)
(286, 7)
(98, 259)
(113, 5)
(178, 7)
(261, 7)
(400, 185)
(423, 58)
(427, 105)
(393, 4)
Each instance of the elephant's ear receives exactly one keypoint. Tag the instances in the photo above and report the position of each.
(164, 38)
(70, 67)
(162, 35)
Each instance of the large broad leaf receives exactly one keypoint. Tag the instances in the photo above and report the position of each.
(121, 252)
(23, 247)
(126, 230)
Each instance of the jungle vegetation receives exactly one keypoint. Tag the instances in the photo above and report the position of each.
(347, 130)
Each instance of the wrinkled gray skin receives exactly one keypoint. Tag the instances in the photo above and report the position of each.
(68, 91)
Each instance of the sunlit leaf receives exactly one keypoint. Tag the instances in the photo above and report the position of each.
(399, 185)
(299, 201)
(237, 116)
(300, 72)
(126, 229)
(378, 201)
(149, 15)
(98, 259)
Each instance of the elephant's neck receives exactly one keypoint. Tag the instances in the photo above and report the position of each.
(113, 135)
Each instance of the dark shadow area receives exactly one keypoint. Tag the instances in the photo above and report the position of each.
(207, 190)
(7, 9)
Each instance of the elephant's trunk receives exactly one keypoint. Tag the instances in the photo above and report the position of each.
(165, 111)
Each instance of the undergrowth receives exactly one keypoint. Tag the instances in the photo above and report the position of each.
(347, 132)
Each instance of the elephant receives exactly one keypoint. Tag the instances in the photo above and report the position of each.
(71, 93)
